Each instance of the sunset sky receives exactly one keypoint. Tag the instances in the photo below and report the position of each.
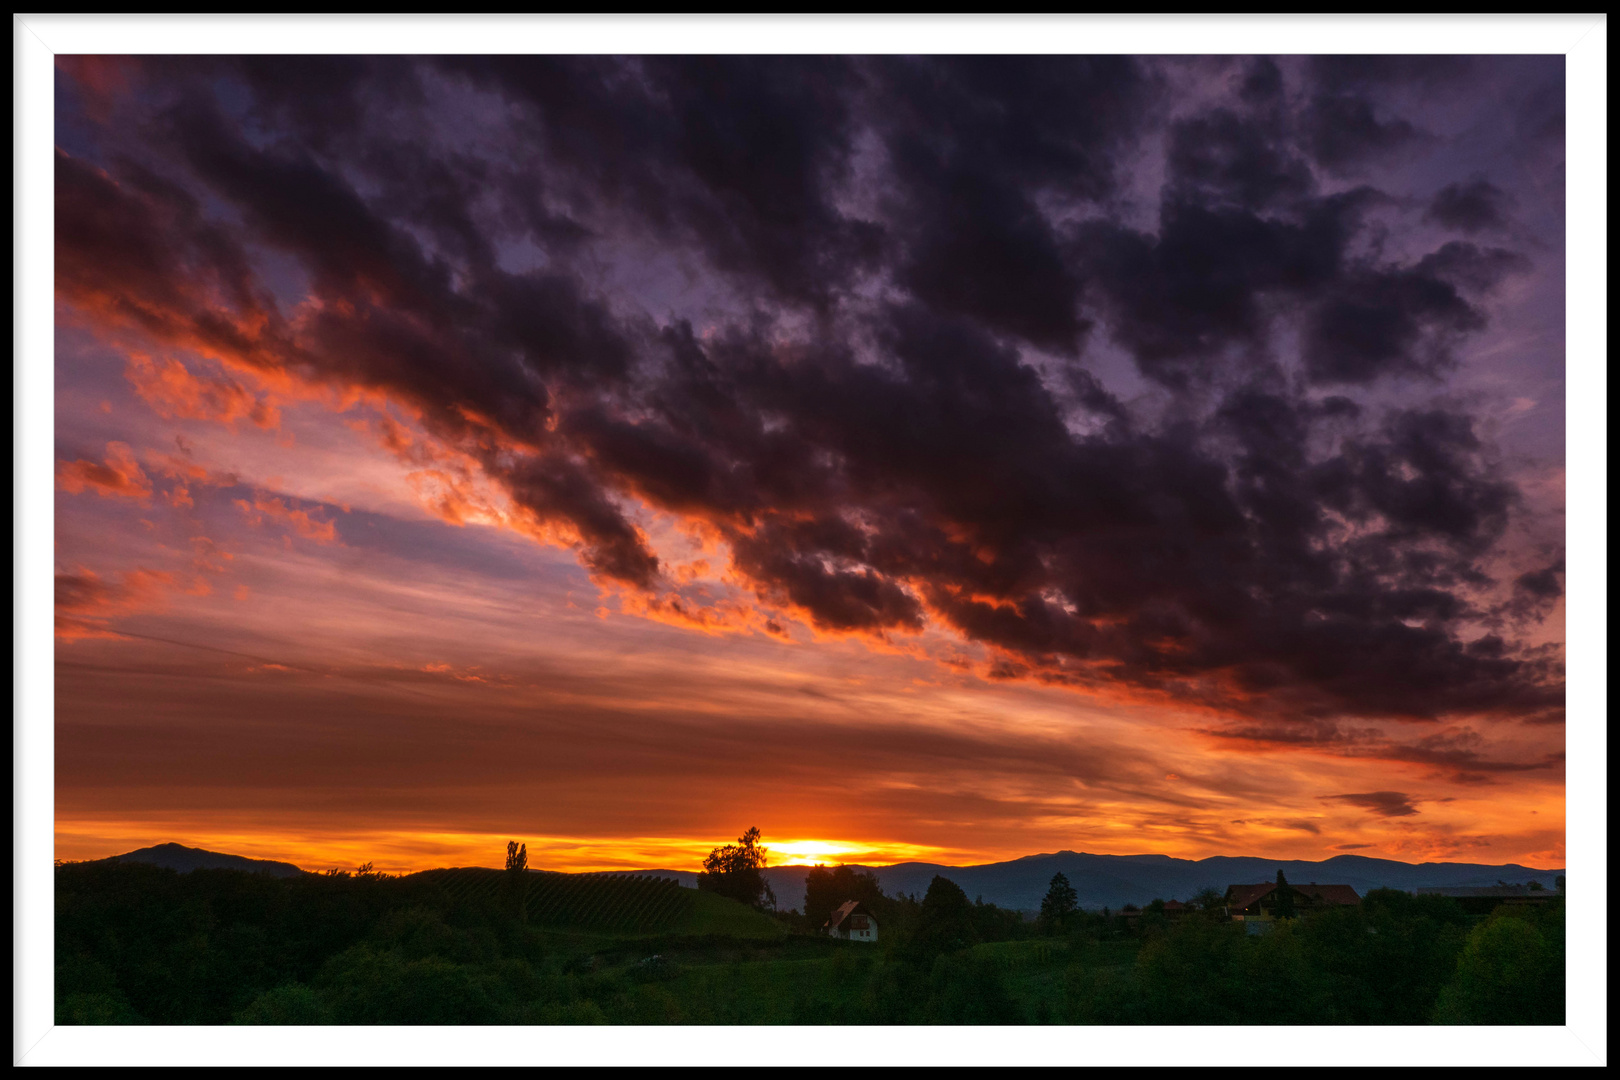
(945, 459)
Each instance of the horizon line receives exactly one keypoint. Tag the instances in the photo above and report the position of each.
(869, 865)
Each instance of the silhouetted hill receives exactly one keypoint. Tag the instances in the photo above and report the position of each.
(1115, 880)
(1099, 880)
(185, 859)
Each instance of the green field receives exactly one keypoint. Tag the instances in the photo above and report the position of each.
(614, 904)
(137, 944)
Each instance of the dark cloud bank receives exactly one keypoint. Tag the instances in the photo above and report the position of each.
(897, 330)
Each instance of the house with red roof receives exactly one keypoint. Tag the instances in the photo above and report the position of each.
(1172, 909)
(1258, 903)
(852, 922)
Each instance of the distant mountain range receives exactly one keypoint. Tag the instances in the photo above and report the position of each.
(1110, 881)
(185, 859)
(1115, 880)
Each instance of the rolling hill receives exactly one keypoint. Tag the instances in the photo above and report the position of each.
(1100, 880)
(621, 904)
(1115, 880)
(185, 859)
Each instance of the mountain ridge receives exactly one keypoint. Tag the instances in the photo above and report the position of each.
(184, 859)
(1115, 880)
(1099, 880)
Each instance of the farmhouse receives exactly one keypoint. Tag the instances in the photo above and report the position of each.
(852, 922)
(1258, 903)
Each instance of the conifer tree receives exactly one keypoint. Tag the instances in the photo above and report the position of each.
(1060, 902)
(1285, 897)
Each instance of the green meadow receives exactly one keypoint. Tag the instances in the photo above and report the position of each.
(138, 944)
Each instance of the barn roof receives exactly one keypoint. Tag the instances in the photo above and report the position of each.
(1330, 894)
(1241, 896)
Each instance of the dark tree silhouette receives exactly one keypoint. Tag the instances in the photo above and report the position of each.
(945, 921)
(517, 878)
(825, 889)
(733, 871)
(1060, 903)
(1285, 898)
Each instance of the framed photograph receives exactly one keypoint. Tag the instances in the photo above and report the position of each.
(994, 537)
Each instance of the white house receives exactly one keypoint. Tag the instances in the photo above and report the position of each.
(852, 922)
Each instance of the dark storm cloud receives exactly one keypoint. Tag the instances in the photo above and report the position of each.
(852, 404)
(1202, 285)
(741, 156)
(1344, 130)
(1339, 73)
(1535, 592)
(1346, 122)
(1222, 156)
(1457, 755)
(1476, 205)
(974, 143)
(1473, 269)
(1541, 584)
(1382, 803)
(1387, 323)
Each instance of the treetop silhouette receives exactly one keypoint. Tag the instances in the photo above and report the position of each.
(733, 871)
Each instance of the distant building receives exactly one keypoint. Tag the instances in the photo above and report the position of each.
(852, 922)
(1172, 909)
(1258, 903)
(1483, 901)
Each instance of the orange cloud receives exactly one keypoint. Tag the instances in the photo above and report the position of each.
(468, 675)
(189, 472)
(300, 521)
(716, 617)
(87, 602)
(174, 392)
(208, 556)
(121, 475)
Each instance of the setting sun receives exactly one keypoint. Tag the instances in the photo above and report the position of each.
(831, 852)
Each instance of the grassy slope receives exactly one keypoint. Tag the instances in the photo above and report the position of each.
(707, 914)
(701, 914)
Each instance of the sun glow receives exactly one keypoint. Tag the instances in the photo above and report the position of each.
(407, 851)
(832, 852)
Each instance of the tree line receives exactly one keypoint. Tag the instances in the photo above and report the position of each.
(140, 944)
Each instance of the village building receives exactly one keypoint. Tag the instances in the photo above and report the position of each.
(1258, 903)
(1172, 909)
(852, 922)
